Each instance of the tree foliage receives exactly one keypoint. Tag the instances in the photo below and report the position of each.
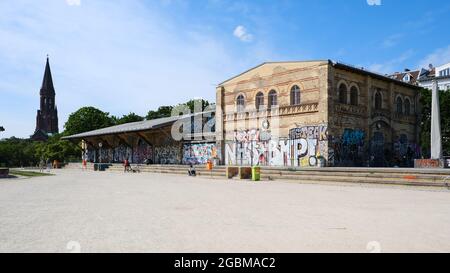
(131, 117)
(425, 126)
(16, 152)
(162, 112)
(87, 119)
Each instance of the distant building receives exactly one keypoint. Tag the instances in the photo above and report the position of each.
(407, 76)
(47, 115)
(439, 73)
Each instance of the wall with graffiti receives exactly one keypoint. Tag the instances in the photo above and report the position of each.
(142, 152)
(169, 154)
(348, 149)
(302, 148)
(137, 154)
(355, 149)
(198, 153)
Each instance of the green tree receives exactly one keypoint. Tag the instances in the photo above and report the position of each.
(131, 117)
(425, 126)
(87, 119)
(162, 112)
(196, 103)
(57, 149)
(16, 152)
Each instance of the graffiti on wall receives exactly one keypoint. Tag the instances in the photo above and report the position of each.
(348, 149)
(301, 149)
(137, 154)
(198, 153)
(142, 152)
(169, 154)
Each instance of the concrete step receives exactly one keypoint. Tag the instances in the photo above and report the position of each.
(299, 174)
(395, 176)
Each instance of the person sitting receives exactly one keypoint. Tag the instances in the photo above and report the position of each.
(192, 171)
(148, 161)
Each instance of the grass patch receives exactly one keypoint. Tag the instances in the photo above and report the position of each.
(28, 173)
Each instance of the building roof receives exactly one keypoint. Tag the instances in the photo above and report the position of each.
(264, 63)
(334, 64)
(372, 74)
(134, 126)
(414, 76)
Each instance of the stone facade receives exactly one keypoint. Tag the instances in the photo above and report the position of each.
(301, 114)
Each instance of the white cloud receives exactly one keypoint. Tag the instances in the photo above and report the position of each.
(374, 2)
(73, 2)
(135, 62)
(119, 56)
(241, 33)
(392, 40)
(393, 65)
(438, 57)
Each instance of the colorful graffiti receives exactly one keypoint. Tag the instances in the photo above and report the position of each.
(301, 149)
(198, 153)
(348, 150)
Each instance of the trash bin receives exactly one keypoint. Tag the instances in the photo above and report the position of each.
(256, 173)
(101, 167)
(96, 167)
(209, 165)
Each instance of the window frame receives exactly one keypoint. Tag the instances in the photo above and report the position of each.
(272, 99)
(295, 94)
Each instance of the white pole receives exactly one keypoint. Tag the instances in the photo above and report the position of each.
(436, 138)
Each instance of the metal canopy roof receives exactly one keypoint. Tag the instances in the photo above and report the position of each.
(134, 126)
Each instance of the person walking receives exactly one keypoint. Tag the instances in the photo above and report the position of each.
(126, 165)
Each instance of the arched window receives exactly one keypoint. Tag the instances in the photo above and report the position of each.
(259, 101)
(240, 103)
(273, 98)
(295, 95)
(343, 93)
(399, 105)
(378, 101)
(354, 95)
(407, 107)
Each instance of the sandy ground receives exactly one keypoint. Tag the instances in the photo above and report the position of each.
(116, 212)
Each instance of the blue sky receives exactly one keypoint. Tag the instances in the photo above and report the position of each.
(133, 56)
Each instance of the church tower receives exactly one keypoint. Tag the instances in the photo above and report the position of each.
(47, 116)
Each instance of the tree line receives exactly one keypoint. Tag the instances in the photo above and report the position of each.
(17, 152)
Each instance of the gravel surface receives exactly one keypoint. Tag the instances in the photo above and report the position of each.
(116, 212)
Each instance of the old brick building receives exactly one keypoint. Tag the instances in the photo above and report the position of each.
(300, 114)
(47, 115)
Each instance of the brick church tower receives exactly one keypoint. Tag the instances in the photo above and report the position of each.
(47, 116)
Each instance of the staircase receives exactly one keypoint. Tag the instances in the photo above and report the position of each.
(392, 176)
(217, 172)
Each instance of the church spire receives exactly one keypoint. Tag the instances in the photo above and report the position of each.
(47, 82)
